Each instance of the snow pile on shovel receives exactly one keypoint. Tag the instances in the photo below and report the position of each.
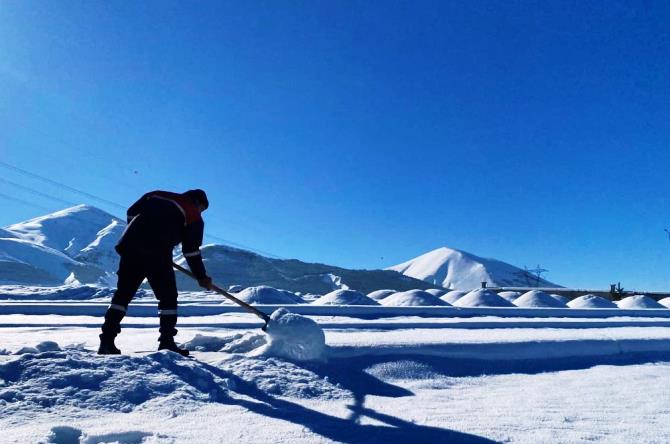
(289, 335)
(294, 337)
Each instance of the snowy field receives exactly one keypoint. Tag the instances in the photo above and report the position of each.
(388, 374)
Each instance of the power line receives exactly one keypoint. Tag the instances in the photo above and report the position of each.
(61, 185)
(100, 199)
(24, 202)
(36, 192)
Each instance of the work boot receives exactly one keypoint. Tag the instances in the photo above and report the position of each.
(107, 346)
(169, 344)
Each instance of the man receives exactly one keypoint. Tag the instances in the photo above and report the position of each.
(156, 224)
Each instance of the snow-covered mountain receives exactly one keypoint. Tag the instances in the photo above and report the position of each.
(230, 266)
(72, 245)
(464, 271)
(77, 245)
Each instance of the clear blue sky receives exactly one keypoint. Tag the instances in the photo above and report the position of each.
(359, 134)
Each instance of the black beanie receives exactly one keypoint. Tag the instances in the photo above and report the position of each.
(198, 196)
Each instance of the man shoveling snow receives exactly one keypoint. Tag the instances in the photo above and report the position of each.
(157, 222)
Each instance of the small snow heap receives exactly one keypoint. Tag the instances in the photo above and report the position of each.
(378, 295)
(537, 299)
(560, 298)
(436, 292)
(345, 297)
(413, 298)
(268, 295)
(509, 295)
(482, 298)
(452, 296)
(591, 301)
(665, 302)
(638, 301)
(294, 337)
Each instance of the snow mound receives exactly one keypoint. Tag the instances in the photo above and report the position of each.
(537, 299)
(381, 294)
(452, 296)
(639, 301)
(413, 298)
(294, 337)
(562, 299)
(267, 295)
(509, 295)
(345, 297)
(591, 301)
(665, 302)
(482, 298)
(436, 292)
(54, 379)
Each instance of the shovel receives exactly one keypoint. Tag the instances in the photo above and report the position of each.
(230, 297)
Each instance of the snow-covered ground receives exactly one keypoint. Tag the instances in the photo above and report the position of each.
(505, 375)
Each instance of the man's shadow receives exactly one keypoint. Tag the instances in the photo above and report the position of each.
(350, 376)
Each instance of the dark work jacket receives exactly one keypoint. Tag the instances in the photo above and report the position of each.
(158, 222)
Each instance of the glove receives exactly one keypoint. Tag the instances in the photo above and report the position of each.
(205, 282)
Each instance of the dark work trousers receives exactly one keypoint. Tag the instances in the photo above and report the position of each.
(133, 269)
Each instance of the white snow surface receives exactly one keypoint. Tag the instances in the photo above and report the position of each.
(376, 379)
(538, 299)
(267, 295)
(345, 297)
(482, 298)
(591, 301)
(413, 298)
(459, 270)
(436, 292)
(665, 302)
(639, 301)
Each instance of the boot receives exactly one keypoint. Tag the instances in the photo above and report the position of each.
(110, 328)
(169, 344)
(168, 332)
(107, 346)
